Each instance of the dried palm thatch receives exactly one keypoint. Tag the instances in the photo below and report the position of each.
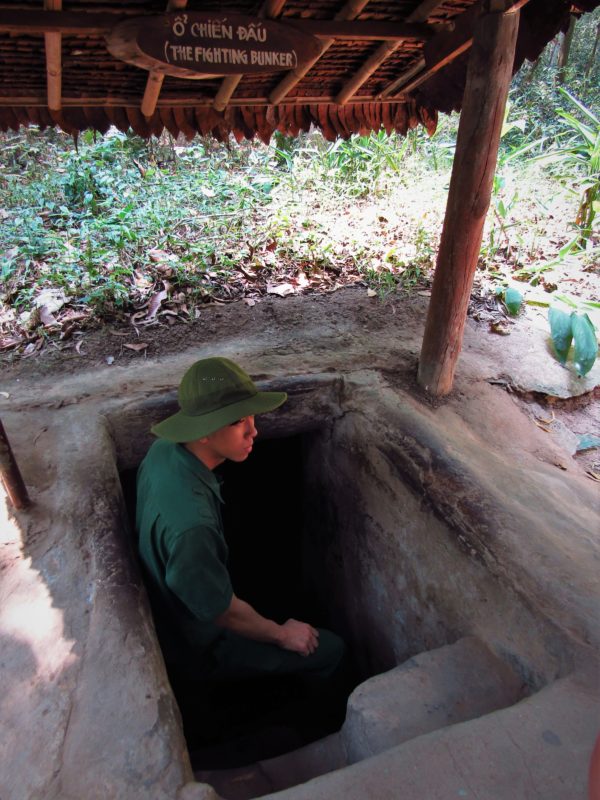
(379, 64)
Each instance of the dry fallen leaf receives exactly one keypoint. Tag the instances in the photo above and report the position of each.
(155, 302)
(543, 427)
(249, 301)
(500, 328)
(159, 255)
(10, 341)
(137, 346)
(30, 349)
(46, 317)
(50, 299)
(283, 289)
(78, 347)
(546, 421)
(371, 293)
(141, 281)
(302, 280)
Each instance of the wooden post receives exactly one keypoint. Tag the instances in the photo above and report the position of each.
(10, 475)
(53, 43)
(488, 78)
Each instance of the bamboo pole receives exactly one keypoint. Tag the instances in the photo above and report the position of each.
(350, 11)
(488, 78)
(53, 44)
(420, 14)
(370, 66)
(155, 79)
(270, 9)
(10, 474)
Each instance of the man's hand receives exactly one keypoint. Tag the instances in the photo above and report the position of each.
(299, 637)
(241, 618)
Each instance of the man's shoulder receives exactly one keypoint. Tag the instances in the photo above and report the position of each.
(169, 484)
(160, 453)
(165, 461)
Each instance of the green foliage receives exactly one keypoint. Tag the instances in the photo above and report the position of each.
(88, 222)
(562, 333)
(513, 300)
(586, 343)
(575, 155)
(577, 329)
(91, 219)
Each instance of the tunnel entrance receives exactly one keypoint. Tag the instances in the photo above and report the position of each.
(265, 516)
(364, 522)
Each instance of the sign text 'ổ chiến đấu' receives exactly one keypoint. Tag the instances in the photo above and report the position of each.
(199, 44)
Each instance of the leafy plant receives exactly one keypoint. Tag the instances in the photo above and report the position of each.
(512, 299)
(577, 329)
(577, 154)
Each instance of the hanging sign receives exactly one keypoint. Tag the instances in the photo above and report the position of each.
(200, 44)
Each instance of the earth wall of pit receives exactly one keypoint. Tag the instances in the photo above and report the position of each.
(447, 521)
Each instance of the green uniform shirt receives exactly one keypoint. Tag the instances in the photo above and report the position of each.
(182, 548)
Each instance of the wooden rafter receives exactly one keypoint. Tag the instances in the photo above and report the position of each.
(271, 9)
(424, 10)
(445, 48)
(180, 101)
(155, 79)
(420, 14)
(350, 11)
(99, 24)
(370, 66)
(402, 79)
(53, 45)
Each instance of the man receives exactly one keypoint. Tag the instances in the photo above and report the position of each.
(206, 631)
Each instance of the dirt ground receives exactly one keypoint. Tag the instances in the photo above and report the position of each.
(519, 362)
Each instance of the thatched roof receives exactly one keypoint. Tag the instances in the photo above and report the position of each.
(379, 63)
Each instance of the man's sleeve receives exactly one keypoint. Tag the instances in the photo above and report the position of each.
(196, 572)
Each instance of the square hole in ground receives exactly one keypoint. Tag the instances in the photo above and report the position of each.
(270, 564)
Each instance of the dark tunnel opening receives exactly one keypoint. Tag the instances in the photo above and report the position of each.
(264, 519)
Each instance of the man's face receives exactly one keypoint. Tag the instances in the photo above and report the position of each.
(233, 441)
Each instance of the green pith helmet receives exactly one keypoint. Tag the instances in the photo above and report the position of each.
(214, 392)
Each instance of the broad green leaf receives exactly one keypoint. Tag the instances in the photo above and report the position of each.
(560, 330)
(512, 300)
(584, 110)
(586, 343)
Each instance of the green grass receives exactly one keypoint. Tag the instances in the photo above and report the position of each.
(111, 222)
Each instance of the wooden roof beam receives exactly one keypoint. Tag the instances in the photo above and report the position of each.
(270, 9)
(350, 11)
(181, 101)
(444, 48)
(79, 23)
(53, 45)
(155, 79)
(424, 10)
(420, 14)
(370, 66)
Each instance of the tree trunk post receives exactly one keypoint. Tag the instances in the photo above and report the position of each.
(10, 475)
(565, 49)
(488, 79)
